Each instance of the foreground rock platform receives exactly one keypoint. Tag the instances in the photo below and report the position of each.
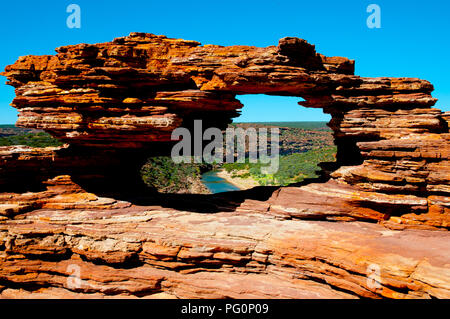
(384, 202)
(143, 252)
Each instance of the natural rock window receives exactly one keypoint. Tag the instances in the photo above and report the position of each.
(114, 104)
(117, 103)
(303, 145)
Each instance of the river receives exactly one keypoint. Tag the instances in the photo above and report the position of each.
(217, 184)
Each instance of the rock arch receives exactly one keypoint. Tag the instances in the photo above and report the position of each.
(115, 102)
(125, 97)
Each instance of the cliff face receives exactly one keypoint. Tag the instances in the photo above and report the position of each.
(116, 103)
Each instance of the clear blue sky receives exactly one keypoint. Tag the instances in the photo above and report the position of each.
(413, 40)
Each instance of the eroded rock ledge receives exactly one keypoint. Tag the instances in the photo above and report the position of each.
(145, 251)
(385, 201)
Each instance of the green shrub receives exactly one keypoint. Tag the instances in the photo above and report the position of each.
(41, 139)
(168, 177)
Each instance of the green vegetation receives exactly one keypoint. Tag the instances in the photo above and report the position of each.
(169, 177)
(41, 139)
(303, 145)
(293, 168)
(166, 176)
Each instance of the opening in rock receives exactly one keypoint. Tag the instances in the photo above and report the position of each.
(305, 140)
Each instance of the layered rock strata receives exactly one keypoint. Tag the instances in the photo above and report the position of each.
(146, 251)
(116, 103)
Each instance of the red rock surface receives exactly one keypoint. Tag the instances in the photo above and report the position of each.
(385, 201)
(144, 251)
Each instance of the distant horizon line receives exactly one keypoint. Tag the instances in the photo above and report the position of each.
(281, 122)
(234, 122)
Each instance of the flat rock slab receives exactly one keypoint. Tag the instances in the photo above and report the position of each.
(138, 252)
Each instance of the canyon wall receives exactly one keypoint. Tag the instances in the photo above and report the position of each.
(384, 202)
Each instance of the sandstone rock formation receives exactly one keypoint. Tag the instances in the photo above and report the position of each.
(384, 202)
